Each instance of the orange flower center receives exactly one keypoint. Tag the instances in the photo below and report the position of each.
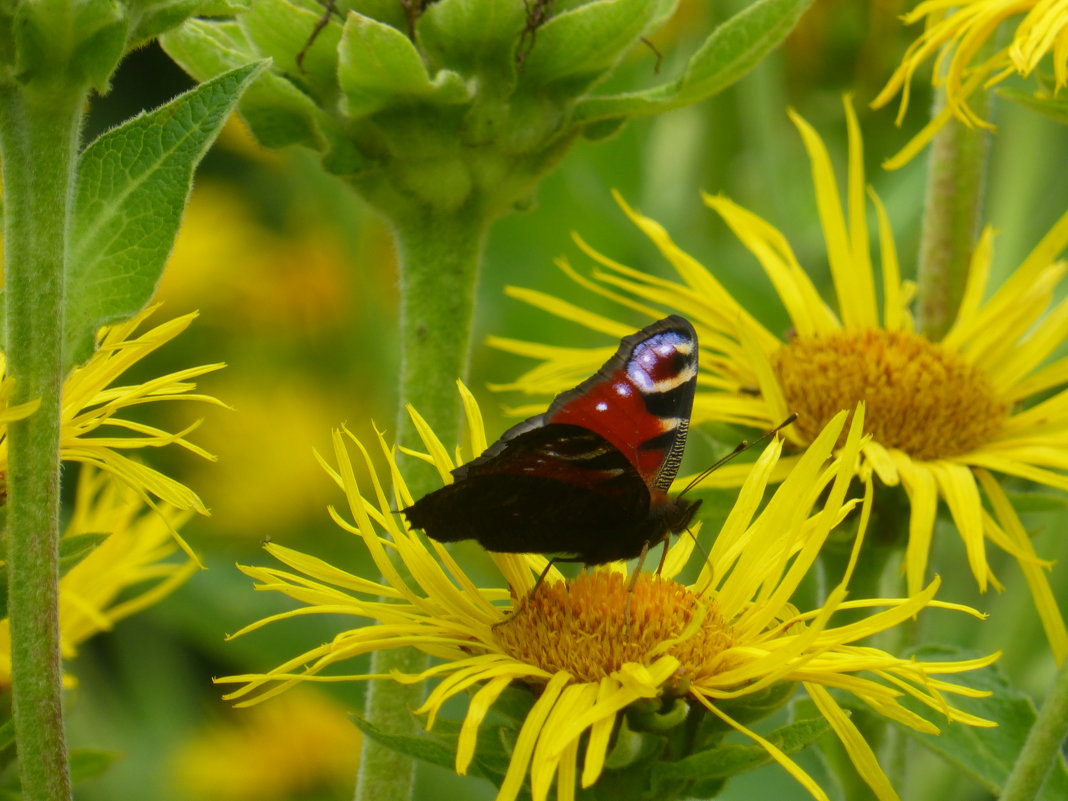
(581, 626)
(920, 398)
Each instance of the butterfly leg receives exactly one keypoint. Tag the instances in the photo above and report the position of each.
(630, 587)
(541, 577)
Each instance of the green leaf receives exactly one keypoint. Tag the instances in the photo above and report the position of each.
(733, 48)
(278, 113)
(150, 18)
(132, 186)
(723, 761)
(987, 754)
(89, 763)
(380, 67)
(281, 30)
(1041, 502)
(580, 46)
(473, 37)
(74, 43)
(425, 748)
(1053, 107)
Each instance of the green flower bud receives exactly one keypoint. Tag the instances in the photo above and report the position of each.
(457, 104)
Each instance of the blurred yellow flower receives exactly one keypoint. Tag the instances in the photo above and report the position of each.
(731, 634)
(129, 570)
(261, 279)
(941, 414)
(302, 746)
(298, 416)
(970, 58)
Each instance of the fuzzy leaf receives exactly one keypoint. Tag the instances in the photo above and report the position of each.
(987, 754)
(581, 45)
(1055, 108)
(379, 67)
(733, 48)
(150, 18)
(277, 112)
(132, 186)
(281, 30)
(723, 761)
(425, 748)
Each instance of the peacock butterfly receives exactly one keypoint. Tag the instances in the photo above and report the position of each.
(588, 477)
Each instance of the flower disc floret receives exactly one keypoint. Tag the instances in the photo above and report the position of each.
(595, 624)
(921, 398)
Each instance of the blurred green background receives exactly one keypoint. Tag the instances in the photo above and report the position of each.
(296, 284)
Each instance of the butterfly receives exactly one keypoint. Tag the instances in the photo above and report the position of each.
(589, 477)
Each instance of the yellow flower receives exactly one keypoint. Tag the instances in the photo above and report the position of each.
(941, 414)
(92, 430)
(126, 572)
(960, 32)
(730, 635)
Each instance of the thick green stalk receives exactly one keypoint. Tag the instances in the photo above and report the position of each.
(38, 141)
(1043, 746)
(439, 255)
(956, 173)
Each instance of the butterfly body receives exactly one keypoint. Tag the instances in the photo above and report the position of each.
(588, 477)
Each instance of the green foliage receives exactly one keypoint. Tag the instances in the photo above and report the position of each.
(704, 773)
(132, 187)
(1056, 108)
(465, 104)
(987, 754)
(378, 66)
(733, 49)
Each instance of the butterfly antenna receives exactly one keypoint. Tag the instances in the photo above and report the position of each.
(741, 447)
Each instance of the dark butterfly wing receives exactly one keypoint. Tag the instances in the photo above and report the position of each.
(555, 489)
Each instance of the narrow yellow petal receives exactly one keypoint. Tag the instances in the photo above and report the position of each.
(528, 736)
(860, 753)
(1046, 604)
(791, 767)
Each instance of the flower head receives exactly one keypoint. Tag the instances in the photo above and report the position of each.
(129, 569)
(727, 637)
(93, 429)
(961, 33)
(942, 415)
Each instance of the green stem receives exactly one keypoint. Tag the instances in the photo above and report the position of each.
(1043, 745)
(439, 256)
(38, 144)
(956, 175)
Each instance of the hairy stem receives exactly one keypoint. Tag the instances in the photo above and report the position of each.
(1042, 748)
(439, 257)
(38, 141)
(956, 176)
